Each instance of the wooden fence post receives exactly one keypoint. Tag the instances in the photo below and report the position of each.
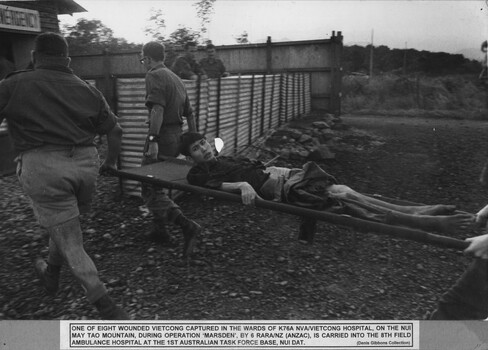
(286, 97)
(294, 95)
(271, 101)
(199, 88)
(280, 110)
(218, 108)
(263, 96)
(269, 56)
(236, 130)
(251, 110)
(335, 98)
(108, 88)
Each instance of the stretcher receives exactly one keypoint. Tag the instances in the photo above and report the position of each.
(171, 174)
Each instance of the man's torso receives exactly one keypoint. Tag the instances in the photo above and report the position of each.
(213, 68)
(52, 107)
(163, 87)
(185, 67)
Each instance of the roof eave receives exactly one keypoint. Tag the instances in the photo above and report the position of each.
(68, 7)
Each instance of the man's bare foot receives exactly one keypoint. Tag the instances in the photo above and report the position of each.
(455, 223)
(439, 209)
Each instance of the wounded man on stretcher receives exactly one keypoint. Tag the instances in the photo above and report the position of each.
(310, 187)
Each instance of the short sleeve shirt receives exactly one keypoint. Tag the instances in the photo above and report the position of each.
(185, 67)
(164, 88)
(214, 68)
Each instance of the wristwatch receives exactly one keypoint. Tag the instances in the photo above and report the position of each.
(153, 138)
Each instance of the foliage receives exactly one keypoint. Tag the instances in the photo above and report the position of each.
(357, 58)
(204, 10)
(177, 39)
(157, 25)
(182, 35)
(93, 37)
(394, 93)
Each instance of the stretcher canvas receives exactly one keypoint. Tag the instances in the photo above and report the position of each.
(171, 174)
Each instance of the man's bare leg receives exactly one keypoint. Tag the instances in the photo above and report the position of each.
(467, 299)
(68, 239)
(440, 223)
(342, 191)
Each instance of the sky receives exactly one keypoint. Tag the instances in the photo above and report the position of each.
(455, 26)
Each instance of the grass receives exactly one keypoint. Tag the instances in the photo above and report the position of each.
(453, 96)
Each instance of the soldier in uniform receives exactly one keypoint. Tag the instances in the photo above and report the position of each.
(53, 117)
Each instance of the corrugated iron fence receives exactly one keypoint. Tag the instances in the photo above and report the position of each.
(238, 109)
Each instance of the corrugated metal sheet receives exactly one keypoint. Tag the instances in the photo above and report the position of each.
(132, 114)
(239, 111)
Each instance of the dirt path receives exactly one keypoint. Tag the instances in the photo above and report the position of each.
(427, 160)
(249, 264)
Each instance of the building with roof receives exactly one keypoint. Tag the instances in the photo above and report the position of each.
(22, 21)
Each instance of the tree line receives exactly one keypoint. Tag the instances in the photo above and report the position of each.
(93, 37)
(357, 59)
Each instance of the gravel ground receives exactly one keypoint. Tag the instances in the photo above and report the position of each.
(248, 263)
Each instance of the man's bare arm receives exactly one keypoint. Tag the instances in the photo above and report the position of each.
(114, 141)
(192, 125)
(482, 216)
(248, 194)
(155, 121)
(478, 246)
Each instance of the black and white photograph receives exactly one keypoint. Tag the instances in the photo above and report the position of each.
(321, 164)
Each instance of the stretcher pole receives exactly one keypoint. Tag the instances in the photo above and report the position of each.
(342, 220)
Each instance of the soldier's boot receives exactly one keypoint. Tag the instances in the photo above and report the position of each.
(49, 275)
(108, 310)
(308, 227)
(191, 231)
(159, 233)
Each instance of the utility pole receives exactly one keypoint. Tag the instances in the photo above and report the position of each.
(405, 60)
(371, 55)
